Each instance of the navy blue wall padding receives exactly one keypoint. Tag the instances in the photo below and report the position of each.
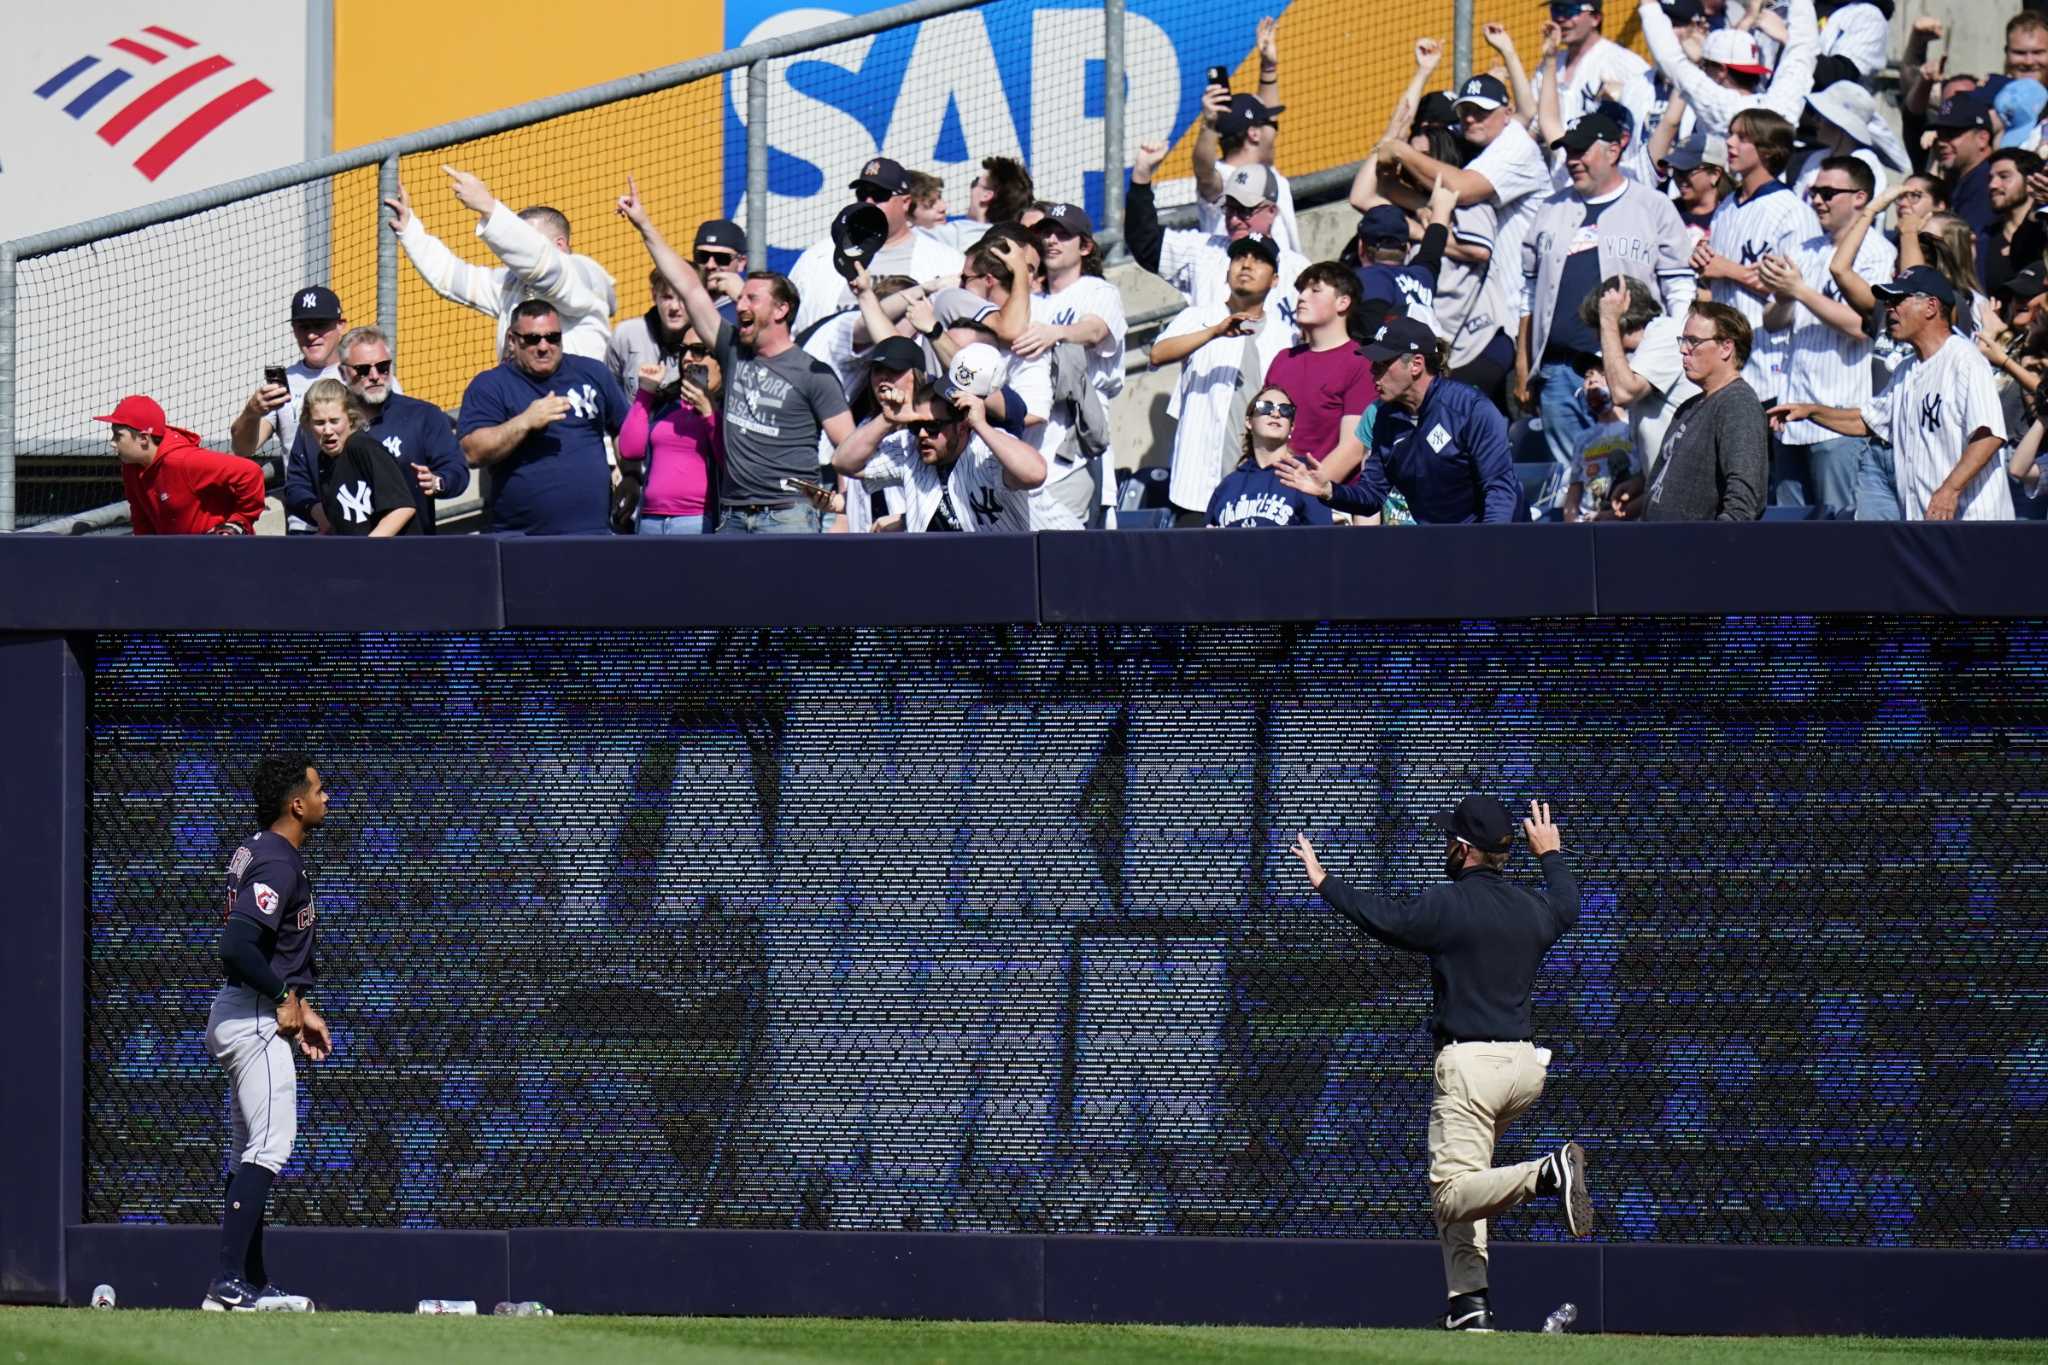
(1819, 568)
(42, 974)
(413, 583)
(371, 1269)
(628, 583)
(1316, 573)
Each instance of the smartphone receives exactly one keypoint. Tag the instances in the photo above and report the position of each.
(1220, 75)
(700, 375)
(806, 487)
(274, 374)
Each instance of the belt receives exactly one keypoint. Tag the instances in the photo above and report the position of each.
(755, 506)
(1494, 1042)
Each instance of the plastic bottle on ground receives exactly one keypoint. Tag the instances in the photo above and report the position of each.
(460, 1308)
(1561, 1318)
(525, 1308)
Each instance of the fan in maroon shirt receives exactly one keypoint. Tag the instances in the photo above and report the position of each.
(1327, 375)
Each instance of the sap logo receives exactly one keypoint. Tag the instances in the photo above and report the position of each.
(583, 402)
(953, 101)
(204, 92)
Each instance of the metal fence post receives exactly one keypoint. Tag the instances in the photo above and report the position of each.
(7, 386)
(1113, 85)
(757, 165)
(1461, 42)
(387, 252)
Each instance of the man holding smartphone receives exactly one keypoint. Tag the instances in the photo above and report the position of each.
(273, 409)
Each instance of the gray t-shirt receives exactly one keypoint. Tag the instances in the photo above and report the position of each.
(1716, 461)
(775, 410)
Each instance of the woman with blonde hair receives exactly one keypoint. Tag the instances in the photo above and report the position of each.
(362, 492)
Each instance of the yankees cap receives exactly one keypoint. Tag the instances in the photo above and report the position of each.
(1256, 244)
(1483, 92)
(897, 355)
(1400, 336)
(1921, 279)
(1250, 186)
(722, 233)
(1245, 113)
(882, 174)
(316, 303)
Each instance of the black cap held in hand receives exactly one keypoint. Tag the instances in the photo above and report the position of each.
(1481, 822)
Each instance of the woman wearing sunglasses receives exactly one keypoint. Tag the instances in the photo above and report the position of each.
(1252, 494)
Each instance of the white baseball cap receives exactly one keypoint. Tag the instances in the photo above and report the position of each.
(1736, 51)
(976, 369)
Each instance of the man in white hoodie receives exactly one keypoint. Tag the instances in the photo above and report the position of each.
(1730, 75)
(534, 245)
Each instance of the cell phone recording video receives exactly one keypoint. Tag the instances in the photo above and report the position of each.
(1220, 75)
(274, 374)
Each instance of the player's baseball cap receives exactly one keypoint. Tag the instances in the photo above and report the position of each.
(884, 175)
(315, 303)
(721, 233)
(1480, 821)
(1587, 131)
(897, 354)
(1400, 335)
(1970, 110)
(1250, 186)
(1245, 113)
(1921, 279)
(1069, 218)
(1260, 245)
(1483, 92)
(145, 415)
(1736, 51)
(1383, 223)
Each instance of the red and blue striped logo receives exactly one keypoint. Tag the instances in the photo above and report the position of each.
(86, 83)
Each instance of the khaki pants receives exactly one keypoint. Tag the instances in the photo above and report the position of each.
(1480, 1089)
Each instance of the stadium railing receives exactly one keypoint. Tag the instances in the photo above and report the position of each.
(134, 301)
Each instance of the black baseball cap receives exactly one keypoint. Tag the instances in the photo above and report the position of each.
(1969, 110)
(897, 354)
(722, 233)
(1481, 822)
(316, 303)
(1383, 223)
(1681, 12)
(2030, 283)
(1070, 218)
(1245, 113)
(882, 174)
(1437, 110)
(1587, 131)
(1400, 335)
(1256, 244)
(1921, 279)
(1484, 92)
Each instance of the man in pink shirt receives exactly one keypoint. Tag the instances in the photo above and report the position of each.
(1327, 375)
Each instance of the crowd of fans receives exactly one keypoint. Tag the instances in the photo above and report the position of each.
(1694, 288)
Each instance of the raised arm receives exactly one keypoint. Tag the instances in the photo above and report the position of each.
(1917, 75)
(1142, 235)
(1792, 82)
(1856, 290)
(540, 264)
(680, 274)
(1268, 34)
(1208, 147)
(1666, 135)
(1425, 169)
(1624, 385)
(1710, 101)
(1549, 112)
(454, 279)
(1412, 925)
(1501, 41)
(1023, 467)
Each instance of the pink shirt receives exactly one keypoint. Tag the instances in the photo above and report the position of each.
(1324, 385)
(685, 448)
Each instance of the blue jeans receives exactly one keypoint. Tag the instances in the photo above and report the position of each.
(1791, 477)
(796, 519)
(1877, 489)
(651, 525)
(1563, 407)
(1833, 470)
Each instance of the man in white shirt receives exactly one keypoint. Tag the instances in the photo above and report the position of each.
(1828, 360)
(908, 250)
(1940, 414)
(538, 264)
(1763, 218)
(1586, 64)
(1080, 307)
(1224, 350)
(1730, 75)
(1196, 261)
(958, 471)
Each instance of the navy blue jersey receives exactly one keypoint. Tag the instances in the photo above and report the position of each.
(267, 883)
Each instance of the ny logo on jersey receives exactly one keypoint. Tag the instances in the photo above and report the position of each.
(1930, 412)
(583, 401)
(987, 507)
(1287, 307)
(1753, 252)
(396, 445)
(355, 502)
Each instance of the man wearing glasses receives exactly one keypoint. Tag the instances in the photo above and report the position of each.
(908, 250)
(1828, 361)
(538, 423)
(1717, 455)
(416, 433)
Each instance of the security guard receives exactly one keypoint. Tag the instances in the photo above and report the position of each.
(1485, 940)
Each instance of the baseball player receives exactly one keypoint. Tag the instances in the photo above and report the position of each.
(266, 952)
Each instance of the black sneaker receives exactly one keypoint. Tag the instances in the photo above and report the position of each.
(1568, 1173)
(1468, 1313)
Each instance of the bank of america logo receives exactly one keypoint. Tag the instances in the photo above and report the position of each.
(85, 85)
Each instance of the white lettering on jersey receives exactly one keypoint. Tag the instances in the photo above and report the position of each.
(355, 501)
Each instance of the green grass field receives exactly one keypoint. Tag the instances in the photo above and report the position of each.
(33, 1336)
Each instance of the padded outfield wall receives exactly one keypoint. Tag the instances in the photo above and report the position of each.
(920, 913)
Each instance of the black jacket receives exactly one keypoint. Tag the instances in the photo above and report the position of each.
(1484, 938)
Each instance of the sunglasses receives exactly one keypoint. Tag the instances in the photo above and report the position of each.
(538, 338)
(868, 195)
(1272, 409)
(697, 349)
(365, 371)
(932, 426)
(718, 260)
(1826, 195)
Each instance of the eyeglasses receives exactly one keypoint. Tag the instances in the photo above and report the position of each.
(1692, 343)
(365, 371)
(538, 338)
(1233, 209)
(1268, 408)
(697, 349)
(1826, 194)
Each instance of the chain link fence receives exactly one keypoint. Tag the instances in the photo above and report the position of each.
(996, 929)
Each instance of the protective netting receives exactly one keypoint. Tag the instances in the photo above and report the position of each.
(995, 928)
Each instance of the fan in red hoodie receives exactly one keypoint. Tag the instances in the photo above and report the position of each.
(175, 486)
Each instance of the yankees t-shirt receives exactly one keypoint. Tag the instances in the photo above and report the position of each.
(775, 410)
(556, 482)
(1520, 175)
(971, 494)
(1569, 336)
(267, 883)
(361, 485)
(1928, 413)
(1252, 496)
(1771, 222)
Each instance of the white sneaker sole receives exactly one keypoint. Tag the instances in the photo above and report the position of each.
(1578, 1203)
(212, 1305)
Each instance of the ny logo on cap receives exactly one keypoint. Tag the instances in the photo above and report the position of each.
(308, 299)
(873, 168)
(1255, 236)
(1381, 335)
(1475, 87)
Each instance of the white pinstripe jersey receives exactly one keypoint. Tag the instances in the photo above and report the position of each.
(1823, 365)
(1773, 221)
(1927, 415)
